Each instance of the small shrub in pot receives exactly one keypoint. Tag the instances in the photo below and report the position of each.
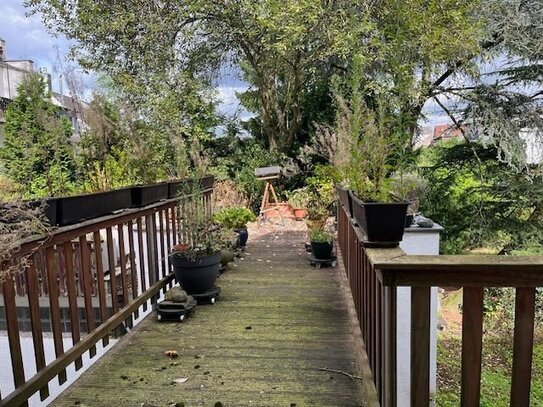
(235, 218)
(321, 244)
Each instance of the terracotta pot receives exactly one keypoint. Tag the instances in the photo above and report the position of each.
(300, 213)
(282, 209)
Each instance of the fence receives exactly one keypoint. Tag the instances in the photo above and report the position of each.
(374, 275)
(104, 272)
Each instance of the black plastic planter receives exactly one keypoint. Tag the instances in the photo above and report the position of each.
(50, 209)
(207, 182)
(143, 195)
(75, 209)
(175, 188)
(196, 276)
(345, 199)
(322, 250)
(243, 236)
(383, 223)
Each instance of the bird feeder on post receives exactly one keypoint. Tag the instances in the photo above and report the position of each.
(269, 200)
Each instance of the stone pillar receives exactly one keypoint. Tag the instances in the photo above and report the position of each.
(416, 241)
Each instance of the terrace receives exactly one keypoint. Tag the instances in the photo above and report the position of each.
(282, 333)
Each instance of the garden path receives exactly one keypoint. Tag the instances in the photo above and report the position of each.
(278, 326)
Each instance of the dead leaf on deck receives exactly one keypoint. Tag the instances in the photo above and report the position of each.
(172, 354)
(181, 380)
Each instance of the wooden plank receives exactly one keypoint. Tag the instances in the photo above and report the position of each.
(162, 252)
(111, 265)
(72, 296)
(35, 321)
(21, 394)
(523, 345)
(8, 288)
(100, 281)
(472, 346)
(87, 287)
(54, 307)
(420, 346)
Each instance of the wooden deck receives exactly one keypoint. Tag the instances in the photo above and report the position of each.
(277, 325)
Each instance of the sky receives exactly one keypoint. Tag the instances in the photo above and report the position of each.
(27, 38)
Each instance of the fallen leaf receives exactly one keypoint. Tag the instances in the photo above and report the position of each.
(172, 354)
(181, 380)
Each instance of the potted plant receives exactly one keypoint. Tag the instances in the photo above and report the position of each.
(196, 261)
(320, 187)
(236, 218)
(299, 200)
(321, 244)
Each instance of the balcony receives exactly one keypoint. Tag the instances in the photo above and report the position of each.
(282, 332)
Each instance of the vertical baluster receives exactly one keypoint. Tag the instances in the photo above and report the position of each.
(133, 268)
(152, 259)
(35, 321)
(175, 237)
(143, 280)
(112, 274)
(523, 347)
(420, 346)
(162, 250)
(102, 295)
(472, 345)
(168, 244)
(72, 297)
(8, 288)
(122, 265)
(378, 336)
(87, 287)
(390, 302)
(54, 306)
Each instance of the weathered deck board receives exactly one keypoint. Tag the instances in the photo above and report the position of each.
(277, 322)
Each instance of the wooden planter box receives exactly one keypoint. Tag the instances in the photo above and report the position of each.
(143, 195)
(75, 209)
(207, 182)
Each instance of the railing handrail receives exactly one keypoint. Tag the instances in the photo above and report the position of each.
(374, 275)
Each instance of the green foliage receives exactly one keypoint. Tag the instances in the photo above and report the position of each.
(234, 217)
(320, 188)
(37, 152)
(481, 202)
(320, 236)
(299, 198)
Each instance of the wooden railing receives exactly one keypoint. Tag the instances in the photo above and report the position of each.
(120, 268)
(375, 274)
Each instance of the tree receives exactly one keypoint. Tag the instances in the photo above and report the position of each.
(281, 46)
(37, 152)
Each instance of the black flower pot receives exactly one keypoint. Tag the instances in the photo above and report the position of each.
(75, 209)
(143, 195)
(383, 223)
(243, 236)
(322, 250)
(345, 199)
(175, 188)
(408, 220)
(198, 275)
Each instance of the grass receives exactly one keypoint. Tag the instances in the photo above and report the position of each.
(495, 376)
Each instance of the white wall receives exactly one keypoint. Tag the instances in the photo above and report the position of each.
(416, 241)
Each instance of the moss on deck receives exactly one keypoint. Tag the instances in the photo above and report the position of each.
(277, 322)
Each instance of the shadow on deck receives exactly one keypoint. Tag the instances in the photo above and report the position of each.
(276, 326)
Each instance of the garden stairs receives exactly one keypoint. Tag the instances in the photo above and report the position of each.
(280, 335)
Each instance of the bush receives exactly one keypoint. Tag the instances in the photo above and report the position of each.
(234, 218)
